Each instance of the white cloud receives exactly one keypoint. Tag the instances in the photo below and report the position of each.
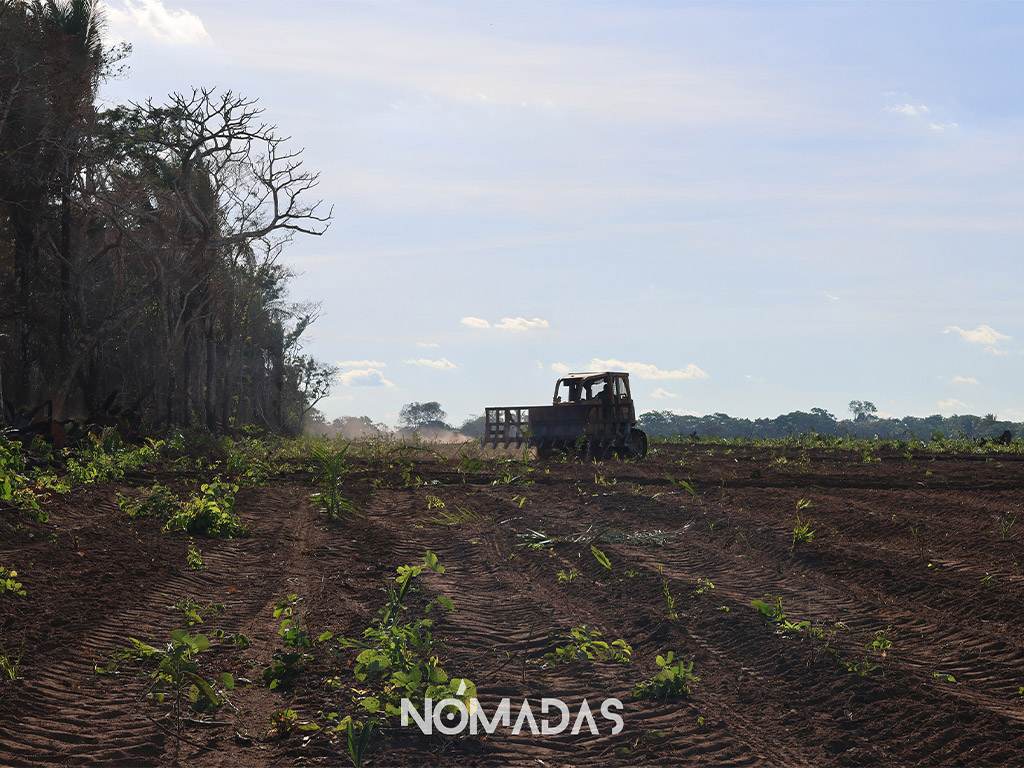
(507, 323)
(1011, 414)
(521, 323)
(152, 18)
(964, 380)
(752, 377)
(426, 344)
(648, 371)
(942, 127)
(360, 364)
(560, 368)
(994, 351)
(443, 364)
(364, 377)
(662, 393)
(910, 110)
(983, 334)
(834, 298)
(948, 405)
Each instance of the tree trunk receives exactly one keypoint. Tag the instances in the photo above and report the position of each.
(211, 375)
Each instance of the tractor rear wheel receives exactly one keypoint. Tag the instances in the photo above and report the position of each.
(636, 445)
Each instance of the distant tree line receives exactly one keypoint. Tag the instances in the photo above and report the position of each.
(425, 417)
(139, 245)
(428, 420)
(863, 424)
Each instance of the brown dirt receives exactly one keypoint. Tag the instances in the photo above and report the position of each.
(900, 544)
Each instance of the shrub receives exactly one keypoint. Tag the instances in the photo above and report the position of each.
(211, 513)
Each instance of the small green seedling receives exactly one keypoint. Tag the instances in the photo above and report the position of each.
(9, 583)
(802, 533)
(601, 557)
(567, 576)
(193, 556)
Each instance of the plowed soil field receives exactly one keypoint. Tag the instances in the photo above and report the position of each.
(912, 583)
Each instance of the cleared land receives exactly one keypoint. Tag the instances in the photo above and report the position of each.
(918, 548)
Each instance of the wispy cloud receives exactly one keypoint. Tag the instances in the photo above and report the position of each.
(942, 127)
(364, 377)
(444, 364)
(506, 323)
(983, 334)
(964, 380)
(647, 370)
(952, 403)
(426, 344)
(417, 66)
(662, 393)
(360, 364)
(560, 368)
(154, 19)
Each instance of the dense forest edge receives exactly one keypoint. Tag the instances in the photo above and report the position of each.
(140, 274)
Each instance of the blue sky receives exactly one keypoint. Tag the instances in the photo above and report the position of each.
(753, 207)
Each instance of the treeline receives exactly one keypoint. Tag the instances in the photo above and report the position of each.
(820, 421)
(427, 419)
(139, 245)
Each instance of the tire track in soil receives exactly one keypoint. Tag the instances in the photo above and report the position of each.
(765, 698)
(65, 716)
(838, 594)
(504, 613)
(835, 592)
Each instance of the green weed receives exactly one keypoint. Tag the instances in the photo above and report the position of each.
(9, 665)
(158, 502)
(194, 611)
(566, 577)
(176, 679)
(15, 486)
(669, 600)
(672, 680)
(704, 586)
(585, 644)
(771, 611)
(357, 745)
(211, 513)
(289, 660)
(401, 655)
(9, 585)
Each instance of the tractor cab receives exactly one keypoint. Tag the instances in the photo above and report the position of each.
(608, 388)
